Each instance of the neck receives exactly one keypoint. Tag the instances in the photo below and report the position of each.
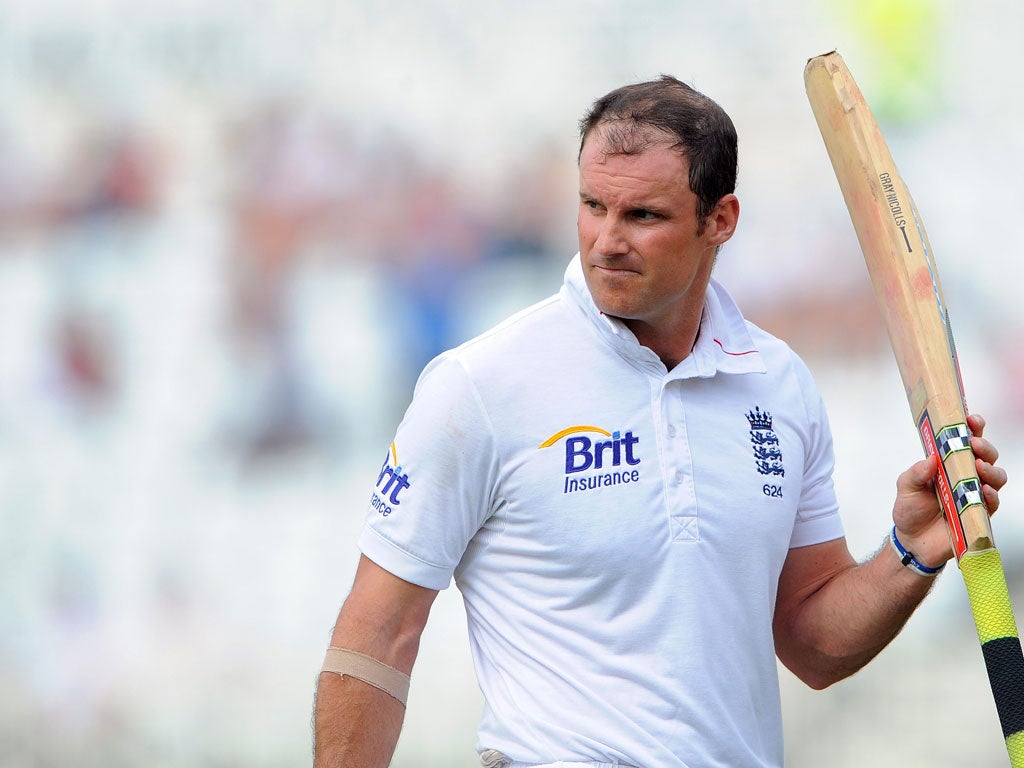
(672, 346)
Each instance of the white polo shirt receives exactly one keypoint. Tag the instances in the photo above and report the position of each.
(617, 530)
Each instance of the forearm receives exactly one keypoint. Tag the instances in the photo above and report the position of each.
(355, 724)
(832, 616)
(847, 620)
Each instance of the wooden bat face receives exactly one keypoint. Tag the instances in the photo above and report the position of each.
(907, 286)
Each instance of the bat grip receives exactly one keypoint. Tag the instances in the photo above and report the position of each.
(1000, 643)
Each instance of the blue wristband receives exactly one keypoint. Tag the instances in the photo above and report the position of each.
(908, 559)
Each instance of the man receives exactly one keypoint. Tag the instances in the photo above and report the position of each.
(632, 488)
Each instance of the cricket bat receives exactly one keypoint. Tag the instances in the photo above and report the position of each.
(906, 284)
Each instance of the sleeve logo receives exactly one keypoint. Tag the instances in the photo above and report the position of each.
(390, 483)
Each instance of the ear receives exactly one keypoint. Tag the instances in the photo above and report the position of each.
(721, 224)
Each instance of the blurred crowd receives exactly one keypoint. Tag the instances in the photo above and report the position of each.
(297, 196)
(173, 336)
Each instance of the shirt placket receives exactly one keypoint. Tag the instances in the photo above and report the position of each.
(677, 466)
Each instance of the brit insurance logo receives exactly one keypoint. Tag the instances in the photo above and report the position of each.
(596, 458)
(390, 483)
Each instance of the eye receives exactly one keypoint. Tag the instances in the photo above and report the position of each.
(645, 215)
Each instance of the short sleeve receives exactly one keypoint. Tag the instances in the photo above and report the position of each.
(817, 518)
(436, 484)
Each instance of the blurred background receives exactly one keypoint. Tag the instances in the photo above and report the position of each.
(232, 233)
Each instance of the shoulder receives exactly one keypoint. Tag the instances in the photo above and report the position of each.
(788, 371)
(778, 353)
(516, 341)
(522, 327)
(513, 342)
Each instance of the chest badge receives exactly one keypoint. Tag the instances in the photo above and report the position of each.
(765, 443)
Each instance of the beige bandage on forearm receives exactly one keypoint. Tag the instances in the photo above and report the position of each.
(393, 682)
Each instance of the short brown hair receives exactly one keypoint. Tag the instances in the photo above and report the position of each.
(702, 131)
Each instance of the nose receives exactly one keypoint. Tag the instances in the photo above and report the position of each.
(611, 237)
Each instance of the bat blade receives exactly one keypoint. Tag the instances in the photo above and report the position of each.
(909, 293)
(907, 286)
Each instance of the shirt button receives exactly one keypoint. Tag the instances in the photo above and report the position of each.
(679, 477)
(671, 430)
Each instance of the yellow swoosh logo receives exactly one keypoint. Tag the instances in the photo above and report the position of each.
(569, 430)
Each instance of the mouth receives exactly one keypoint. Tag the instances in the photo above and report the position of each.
(618, 264)
(616, 271)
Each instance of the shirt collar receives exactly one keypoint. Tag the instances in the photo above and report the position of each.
(724, 343)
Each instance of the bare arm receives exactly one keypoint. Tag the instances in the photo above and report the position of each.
(833, 616)
(383, 617)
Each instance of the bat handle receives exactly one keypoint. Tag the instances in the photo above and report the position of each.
(1000, 643)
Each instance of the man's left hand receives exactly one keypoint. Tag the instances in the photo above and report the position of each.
(920, 526)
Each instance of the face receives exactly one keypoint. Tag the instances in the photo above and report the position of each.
(643, 258)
